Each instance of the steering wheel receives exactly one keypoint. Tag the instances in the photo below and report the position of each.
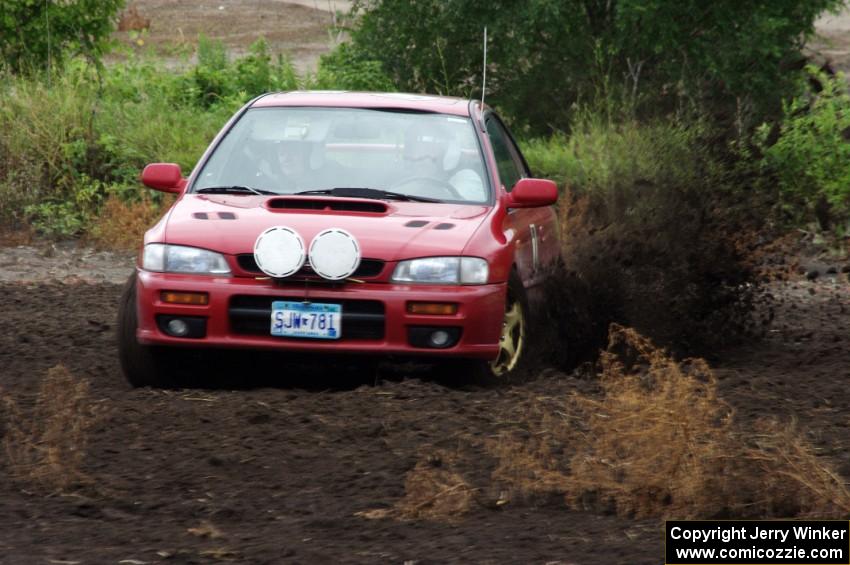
(445, 186)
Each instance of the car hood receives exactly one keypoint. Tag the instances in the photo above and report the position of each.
(392, 231)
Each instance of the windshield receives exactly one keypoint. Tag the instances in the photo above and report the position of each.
(290, 150)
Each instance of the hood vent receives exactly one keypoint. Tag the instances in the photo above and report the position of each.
(327, 204)
(221, 216)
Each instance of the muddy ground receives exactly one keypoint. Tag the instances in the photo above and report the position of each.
(275, 464)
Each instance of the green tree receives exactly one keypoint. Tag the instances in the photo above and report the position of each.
(544, 56)
(35, 32)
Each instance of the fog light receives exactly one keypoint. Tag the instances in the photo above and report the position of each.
(177, 327)
(439, 338)
(433, 337)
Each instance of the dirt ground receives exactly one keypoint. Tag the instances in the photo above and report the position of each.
(280, 461)
(280, 472)
(831, 43)
(298, 28)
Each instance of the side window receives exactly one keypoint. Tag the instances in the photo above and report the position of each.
(510, 166)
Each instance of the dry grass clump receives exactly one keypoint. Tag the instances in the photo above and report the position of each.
(657, 440)
(435, 491)
(532, 462)
(793, 481)
(121, 224)
(46, 448)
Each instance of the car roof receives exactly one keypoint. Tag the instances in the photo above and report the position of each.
(382, 100)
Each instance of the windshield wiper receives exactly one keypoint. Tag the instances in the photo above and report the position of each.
(233, 189)
(374, 193)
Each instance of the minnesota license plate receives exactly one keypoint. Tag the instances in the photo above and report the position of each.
(311, 319)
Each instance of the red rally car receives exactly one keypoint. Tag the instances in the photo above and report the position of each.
(332, 222)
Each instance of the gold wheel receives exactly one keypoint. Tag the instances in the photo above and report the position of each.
(513, 337)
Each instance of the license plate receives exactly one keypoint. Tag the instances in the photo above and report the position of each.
(311, 319)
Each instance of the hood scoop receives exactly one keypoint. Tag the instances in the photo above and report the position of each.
(326, 205)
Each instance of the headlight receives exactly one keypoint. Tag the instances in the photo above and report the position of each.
(179, 259)
(442, 270)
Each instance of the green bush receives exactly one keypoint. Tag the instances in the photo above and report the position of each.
(545, 56)
(810, 157)
(345, 69)
(216, 79)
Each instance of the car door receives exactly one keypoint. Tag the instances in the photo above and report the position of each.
(536, 228)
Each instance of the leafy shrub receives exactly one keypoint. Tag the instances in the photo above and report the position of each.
(73, 215)
(217, 79)
(345, 69)
(810, 157)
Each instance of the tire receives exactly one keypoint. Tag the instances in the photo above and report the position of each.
(142, 365)
(513, 359)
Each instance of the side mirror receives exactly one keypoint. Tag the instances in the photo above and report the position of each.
(533, 193)
(166, 177)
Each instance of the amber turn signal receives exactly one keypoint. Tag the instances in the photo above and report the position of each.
(196, 298)
(432, 308)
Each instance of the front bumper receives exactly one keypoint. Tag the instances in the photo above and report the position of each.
(234, 315)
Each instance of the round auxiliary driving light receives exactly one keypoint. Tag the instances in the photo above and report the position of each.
(439, 338)
(279, 252)
(177, 327)
(334, 254)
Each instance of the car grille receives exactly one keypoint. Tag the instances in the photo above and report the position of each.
(368, 268)
(361, 319)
